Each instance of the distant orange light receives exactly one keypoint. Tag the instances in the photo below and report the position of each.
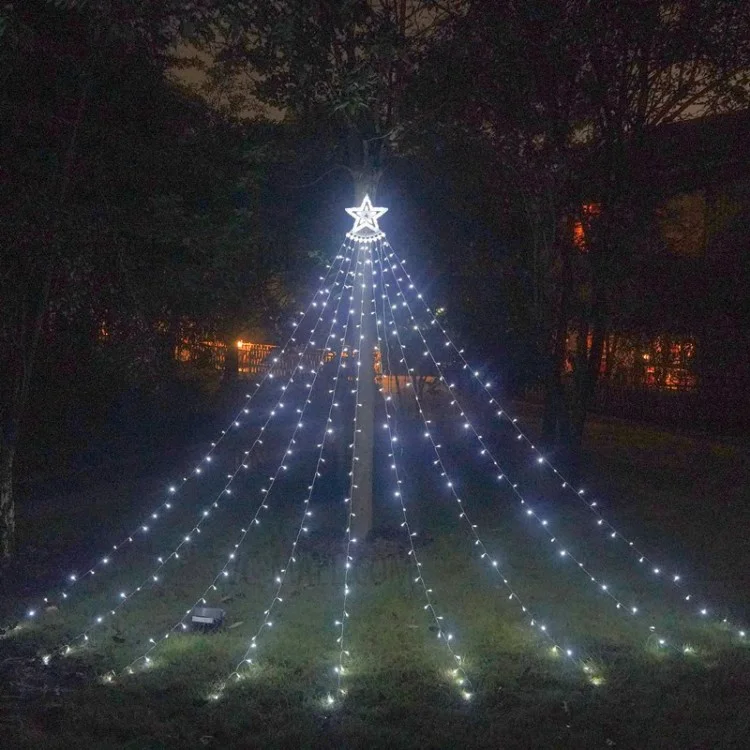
(579, 232)
(239, 344)
(579, 236)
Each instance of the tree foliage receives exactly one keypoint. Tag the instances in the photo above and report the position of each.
(130, 210)
(564, 101)
(340, 68)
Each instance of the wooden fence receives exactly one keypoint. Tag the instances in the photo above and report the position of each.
(252, 359)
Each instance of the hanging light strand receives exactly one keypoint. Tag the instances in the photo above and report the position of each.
(123, 597)
(104, 561)
(457, 669)
(254, 521)
(280, 579)
(644, 561)
(484, 553)
(563, 550)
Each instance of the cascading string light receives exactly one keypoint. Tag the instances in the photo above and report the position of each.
(186, 538)
(364, 255)
(534, 622)
(280, 579)
(457, 669)
(563, 550)
(644, 561)
(155, 514)
(254, 521)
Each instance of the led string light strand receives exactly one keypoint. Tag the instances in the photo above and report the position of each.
(280, 579)
(147, 523)
(562, 549)
(644, 561)
(187, 537)
(363, 253)
(458, 673)
(254, 521)
(463, 515)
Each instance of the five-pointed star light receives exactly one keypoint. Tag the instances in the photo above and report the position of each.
(365, 216)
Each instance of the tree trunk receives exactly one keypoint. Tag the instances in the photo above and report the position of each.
(585, 384)
(366, 183)
(555, 411)
(555, 419)
(364, 161)
(7, 508)
(362, 505)
(33, 300)
(231, 361)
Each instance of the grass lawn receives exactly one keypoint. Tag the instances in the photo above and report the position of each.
(684, 499)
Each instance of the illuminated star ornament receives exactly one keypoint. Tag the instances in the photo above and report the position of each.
(365, 217)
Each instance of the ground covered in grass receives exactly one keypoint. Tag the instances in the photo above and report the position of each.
(683, 498)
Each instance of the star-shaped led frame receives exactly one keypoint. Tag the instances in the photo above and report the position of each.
(365, 220)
